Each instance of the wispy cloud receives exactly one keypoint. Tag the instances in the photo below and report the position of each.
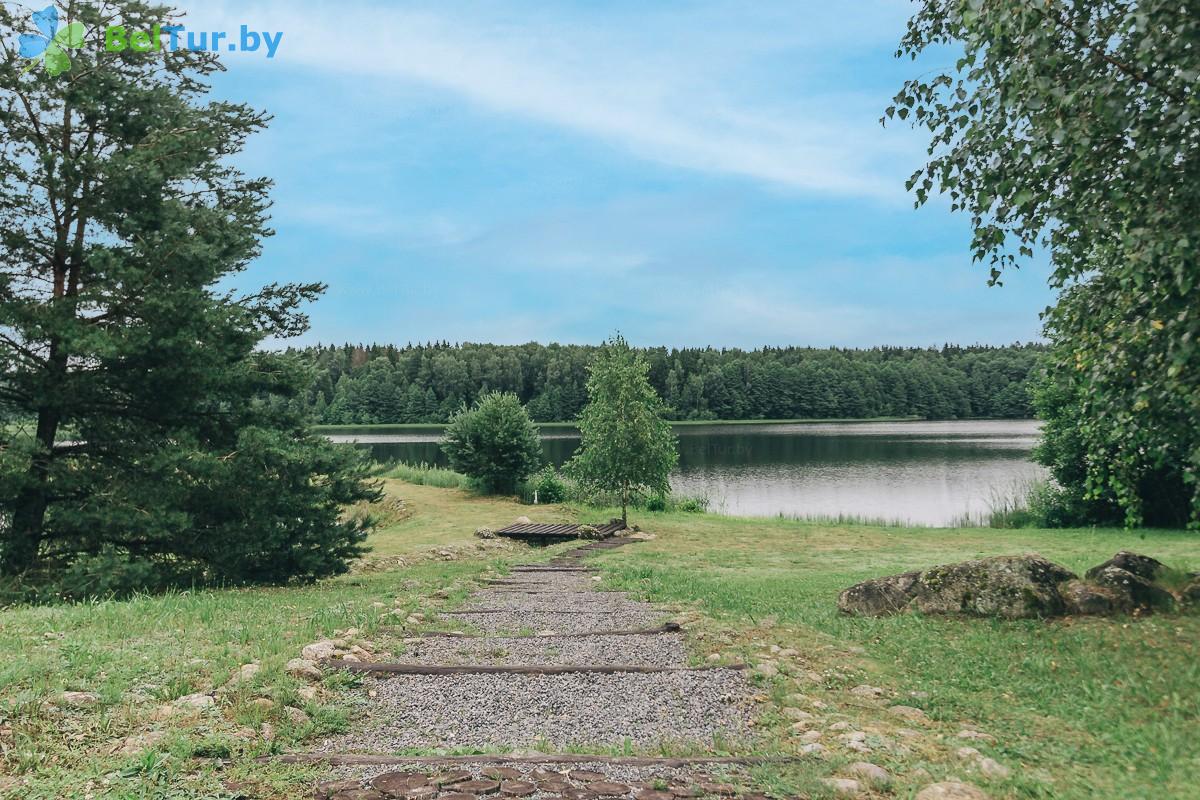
(666, 90)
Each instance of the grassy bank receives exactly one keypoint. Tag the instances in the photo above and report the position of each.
(138, 656)
(437, 427)
(1079, 708)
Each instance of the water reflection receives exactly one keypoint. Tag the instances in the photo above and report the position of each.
(930, 473)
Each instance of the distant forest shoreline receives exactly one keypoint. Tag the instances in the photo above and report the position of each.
(426, 383)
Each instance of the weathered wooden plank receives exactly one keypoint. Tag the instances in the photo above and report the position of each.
(670, 627)
(491, 669)
(526, 611)
(368, 759)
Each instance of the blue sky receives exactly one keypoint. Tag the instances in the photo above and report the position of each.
(690, 173)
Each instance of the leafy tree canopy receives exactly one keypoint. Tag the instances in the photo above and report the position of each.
(626, 445)
(1074, 127)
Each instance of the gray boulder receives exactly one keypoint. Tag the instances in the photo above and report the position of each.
(1139, 592)
(880, 596)
(1145, 567)
(1083, 598)
(485, 533)
(1012, 587)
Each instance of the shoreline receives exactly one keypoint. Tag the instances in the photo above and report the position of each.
(437, 426)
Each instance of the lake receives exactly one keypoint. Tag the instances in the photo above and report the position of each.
(926, 473)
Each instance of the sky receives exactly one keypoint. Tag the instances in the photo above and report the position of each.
(688, 173)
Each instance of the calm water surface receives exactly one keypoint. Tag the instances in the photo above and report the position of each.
(931, 473)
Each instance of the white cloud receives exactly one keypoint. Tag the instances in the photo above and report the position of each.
(663, 86)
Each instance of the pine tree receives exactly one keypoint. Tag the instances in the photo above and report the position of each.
(150, 432)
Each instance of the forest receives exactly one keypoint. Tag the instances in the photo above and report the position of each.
(426, 383)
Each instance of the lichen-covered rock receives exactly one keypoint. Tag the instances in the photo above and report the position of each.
(1139, 592)
(1190, 593)
(1083, 598)
(880, 596)
(589, 532)
(1012, 587)
(1145, 567)
(951, 790)
(522, 520)
(485, 533)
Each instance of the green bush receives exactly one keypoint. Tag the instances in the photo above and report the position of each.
(493, 442)
(548, 486)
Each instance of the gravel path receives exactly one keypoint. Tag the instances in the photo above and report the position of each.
(664, 650)
(516, 620)
(572, 709)
(592, 710)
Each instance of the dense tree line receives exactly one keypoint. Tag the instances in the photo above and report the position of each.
(379, 384)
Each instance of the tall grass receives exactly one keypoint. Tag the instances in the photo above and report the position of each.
(426, 475)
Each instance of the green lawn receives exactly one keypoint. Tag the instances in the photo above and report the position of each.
(1081, 708)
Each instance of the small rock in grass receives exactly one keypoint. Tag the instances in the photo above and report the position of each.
(844, 787)
(796, 713)
(132, 745)
(811, 736)
(244, 673)
(308, 693)
(841, 725)
(79, 699)
(789, 652)
(977, 736)
(951, 790)
(318, 651)
(865, 690)
(812, 749)
(304, 669)
(993, 768)
(907, 712)
(767, 669)
(295, 715)
(966, 752)
(199, 700)
(263, 703)
(872, 774)
(266, 731)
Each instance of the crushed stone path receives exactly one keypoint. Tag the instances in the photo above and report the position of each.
(544, 615)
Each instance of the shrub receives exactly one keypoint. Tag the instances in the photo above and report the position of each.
(493, 442)
(547, 485)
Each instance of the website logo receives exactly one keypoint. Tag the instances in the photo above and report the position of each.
(51, 45)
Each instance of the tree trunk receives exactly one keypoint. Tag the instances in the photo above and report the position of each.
(625, 505)
(29, 507)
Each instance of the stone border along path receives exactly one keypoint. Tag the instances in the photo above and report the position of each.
(556, 665)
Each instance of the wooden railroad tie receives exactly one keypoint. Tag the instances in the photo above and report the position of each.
(367, 759)
(670, 627)
(488, 669)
